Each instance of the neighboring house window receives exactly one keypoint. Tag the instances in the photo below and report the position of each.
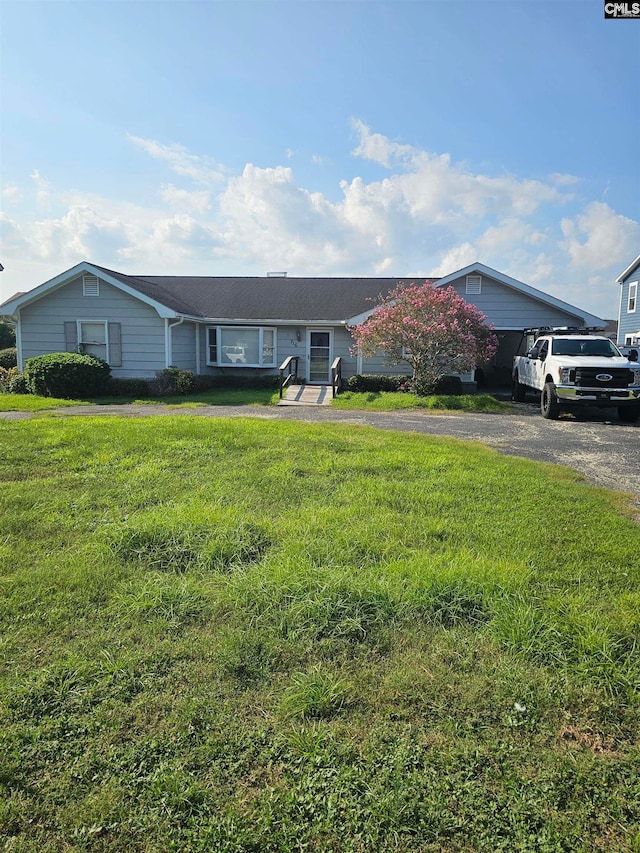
(633, 297)
(241, 346)
(90, 285)
(474, 285)
(95, 337)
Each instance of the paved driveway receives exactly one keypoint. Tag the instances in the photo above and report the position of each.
(605, 451)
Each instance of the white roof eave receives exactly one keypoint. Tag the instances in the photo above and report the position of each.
(628, 270)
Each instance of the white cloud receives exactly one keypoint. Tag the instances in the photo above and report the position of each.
(43, 190)
(600, 237)
(203, 170)
(455, 259)
(11, 194)
(197, 201)
(428, 216)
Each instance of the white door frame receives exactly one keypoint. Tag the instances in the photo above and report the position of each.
(327, 380)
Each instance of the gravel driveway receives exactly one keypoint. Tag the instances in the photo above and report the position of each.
(605, 451)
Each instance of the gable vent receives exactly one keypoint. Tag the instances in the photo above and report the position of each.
(90, 285)
(474, 284)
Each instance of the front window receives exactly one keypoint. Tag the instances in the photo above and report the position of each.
(92, 338)
(633, 297)
(585, 346)
(241, 346)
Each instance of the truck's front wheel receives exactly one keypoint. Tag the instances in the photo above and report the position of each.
(549, 405)
(629, 414)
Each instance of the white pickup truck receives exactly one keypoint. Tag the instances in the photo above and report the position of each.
(577, 367)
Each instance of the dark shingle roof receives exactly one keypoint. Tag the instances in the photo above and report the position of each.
(262, 298)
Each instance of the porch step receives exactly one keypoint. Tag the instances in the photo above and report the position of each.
(307, 395)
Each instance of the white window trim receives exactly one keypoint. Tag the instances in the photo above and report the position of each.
(633, 285)
(261, 331)
(104, 323)
(90, 285)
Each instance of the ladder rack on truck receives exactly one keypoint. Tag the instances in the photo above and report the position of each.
(564, 330)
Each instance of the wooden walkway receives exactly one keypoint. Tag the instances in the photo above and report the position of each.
(307, 395)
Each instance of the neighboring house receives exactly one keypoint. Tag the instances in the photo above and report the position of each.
(142, 324)
(629, 312)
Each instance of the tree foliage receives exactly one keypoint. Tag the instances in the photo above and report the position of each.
(7, 335)
(431, 328)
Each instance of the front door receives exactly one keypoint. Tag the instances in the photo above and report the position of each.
(319, 357)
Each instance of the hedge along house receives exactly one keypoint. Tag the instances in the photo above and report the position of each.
(629, 311)
(143, 324)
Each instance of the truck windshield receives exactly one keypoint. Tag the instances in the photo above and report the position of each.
(575, 346)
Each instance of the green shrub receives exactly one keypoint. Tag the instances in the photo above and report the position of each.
(173, 380)
(371, 382)
(6, 375)
(209, 381)
(69, 375)
(17, 382)
(447, 385)
(124, 387)
(8, 358)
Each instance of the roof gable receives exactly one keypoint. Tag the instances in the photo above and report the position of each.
(521, 287)
(116, 279)
(629, 270)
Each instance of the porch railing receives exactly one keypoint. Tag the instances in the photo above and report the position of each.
(289, 367)
(336, 377)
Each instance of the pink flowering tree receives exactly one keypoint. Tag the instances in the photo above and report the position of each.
(431, 328)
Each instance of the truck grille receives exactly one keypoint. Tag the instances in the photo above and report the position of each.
(620, 377)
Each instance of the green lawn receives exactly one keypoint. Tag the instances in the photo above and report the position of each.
(391, 401)
(249, 635)
(33, 403)
(384, 401)
(215, 397)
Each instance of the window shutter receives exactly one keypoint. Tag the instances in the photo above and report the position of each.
(115, 345)
(70, 336)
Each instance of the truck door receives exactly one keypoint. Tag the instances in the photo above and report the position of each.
(539, 366)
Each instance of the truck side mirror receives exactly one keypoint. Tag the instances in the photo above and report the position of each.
(633, 355)
(533, 352)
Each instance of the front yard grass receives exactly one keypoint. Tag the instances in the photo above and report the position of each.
(384, 401)
(250, 635)
(214, 397)
(391, 401)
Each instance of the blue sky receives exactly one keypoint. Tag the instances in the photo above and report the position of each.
(322, 138)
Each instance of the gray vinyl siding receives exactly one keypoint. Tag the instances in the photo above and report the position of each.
(629, 323)
(143, 339)
(508, 309)
(183, 346)
(379, 366)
